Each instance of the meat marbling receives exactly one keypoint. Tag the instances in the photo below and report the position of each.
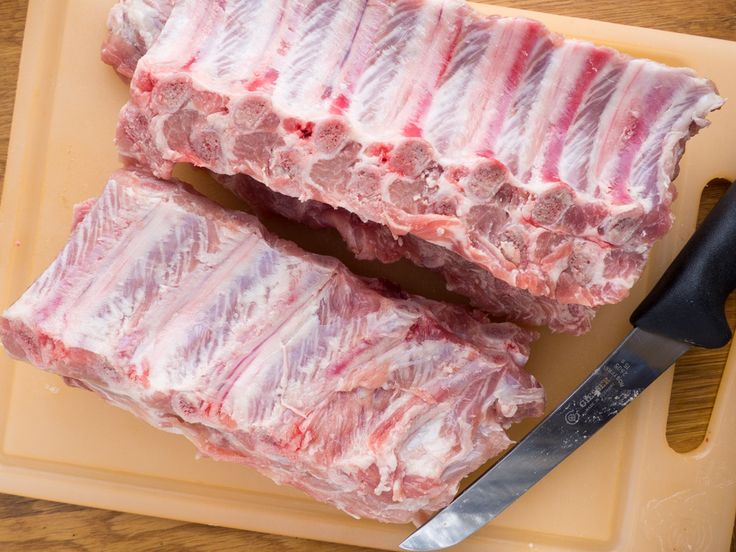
(545, 162)
(134, 25)
(372, 241)
(195, 319)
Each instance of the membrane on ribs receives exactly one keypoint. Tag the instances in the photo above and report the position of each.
(197, 320)
(545, 163)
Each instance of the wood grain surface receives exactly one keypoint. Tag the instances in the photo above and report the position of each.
(27, 524)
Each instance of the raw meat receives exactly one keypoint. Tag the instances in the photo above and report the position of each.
(368, 240)
(372, 241)
(195, 319)
(133, 26)
(546, 162)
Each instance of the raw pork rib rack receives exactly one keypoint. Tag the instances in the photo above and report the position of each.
(372, 241)
(195, 319)
(134, 26)
(545, 162)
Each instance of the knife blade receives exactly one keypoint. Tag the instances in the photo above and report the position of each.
(640, 359)
(686, 307)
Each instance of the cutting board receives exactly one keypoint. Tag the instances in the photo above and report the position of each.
(625, 490)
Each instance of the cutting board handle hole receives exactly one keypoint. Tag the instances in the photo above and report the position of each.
(698, 373)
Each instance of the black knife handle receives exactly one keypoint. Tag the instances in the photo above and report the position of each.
(688, 302)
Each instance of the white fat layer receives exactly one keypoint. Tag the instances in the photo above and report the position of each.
(186, 315)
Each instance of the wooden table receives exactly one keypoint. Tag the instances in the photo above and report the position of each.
(27, 524)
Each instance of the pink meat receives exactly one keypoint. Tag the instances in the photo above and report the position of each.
(368, 240)
(371, 241)
(197, 320)
(545, 162)
(133, 26)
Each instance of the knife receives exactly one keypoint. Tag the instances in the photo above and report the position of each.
(685, 308)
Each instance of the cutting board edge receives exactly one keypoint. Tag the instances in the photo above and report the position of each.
(66, 488)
